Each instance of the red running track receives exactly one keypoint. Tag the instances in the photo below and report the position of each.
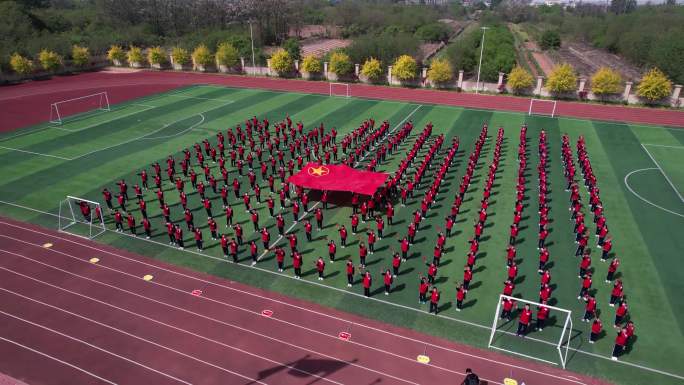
(28, 103)
(65, 319)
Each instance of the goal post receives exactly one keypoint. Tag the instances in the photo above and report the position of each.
(81, 217)
(94, 102)
(551, 344)
(542, 107)
(340, 89)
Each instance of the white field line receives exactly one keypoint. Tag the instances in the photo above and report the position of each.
(120, 331)
(148, 134)
(644, 199)
(90, 345)
(56, 359)
(225, 323)
(663, 172)
(34, 153)
(99, 123)
(663, 145)
(178, 133)
(315, 283)
(199, 97)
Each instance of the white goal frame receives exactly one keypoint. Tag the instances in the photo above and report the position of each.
(69, 217)
(348, 89)
(56, 116)
(553, 111)
(565, 337)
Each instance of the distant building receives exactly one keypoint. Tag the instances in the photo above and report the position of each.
(426, 2)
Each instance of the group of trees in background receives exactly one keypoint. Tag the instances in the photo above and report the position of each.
(647, 35)
(498, 56)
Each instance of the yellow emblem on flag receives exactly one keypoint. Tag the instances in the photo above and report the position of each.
(318, 171)
(148, 277)
(510, 381)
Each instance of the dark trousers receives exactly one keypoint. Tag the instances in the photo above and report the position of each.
(522, 329)
(350, 279)
(298, 271)
(459, 304)
(395, 270)
(617, 350)
(366, 291)
(541, 323)
(422, 298)
(148, 232)
(199, 244)
(593, 337)
(434, 307)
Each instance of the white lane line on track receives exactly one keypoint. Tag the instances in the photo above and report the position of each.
(487, 327)
(189, 312)
(412, 359)
(120, 331)
(56, 359)
(144, 317)
(91, 345)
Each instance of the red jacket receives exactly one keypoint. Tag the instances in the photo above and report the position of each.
(596, 327)
(525, 316)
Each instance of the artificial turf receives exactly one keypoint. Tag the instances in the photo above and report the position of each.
(92, 151)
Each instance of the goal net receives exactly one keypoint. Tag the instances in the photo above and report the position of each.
(340, 89)
(81, 217)
(542, 107)
(549, 343)
(60, 110)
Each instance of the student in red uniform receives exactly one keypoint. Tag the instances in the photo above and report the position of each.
(343, 236)
(423, 287)
(213, 228)
(434, 300)
(238, 233)
(606, 247)
(460, 296)
(350, 272)
(612, 268)
(108, 198)
(297, 264)
(280, 257)
(363, 252)
(224, 245)
(178, 234)
(367, 282)
(543, 259)
(589, 309)
(131, 223)
(198, 239)
(542, 316)
(307, 230)
(507, 308)
(620, 342)
(320, 267)
(387, 280)
(467, 277)
(524, 320)
(332, 250)
(233, 249)
(586, 285)
(616, 293)
(585, 263)
(318, 214)
(253, 251)
(620, 312)
(596, 329)
(396, 263)
(432, 273)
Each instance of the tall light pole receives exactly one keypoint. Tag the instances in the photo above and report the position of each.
(251, 36)
(479, 66)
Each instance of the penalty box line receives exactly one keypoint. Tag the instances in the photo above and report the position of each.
(661, 169)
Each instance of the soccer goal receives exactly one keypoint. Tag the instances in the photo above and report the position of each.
(542, 107)
(81, 217)
(94, 102)
(550, 344)
(340, 89)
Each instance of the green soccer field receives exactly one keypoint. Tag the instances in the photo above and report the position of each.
(639, 171)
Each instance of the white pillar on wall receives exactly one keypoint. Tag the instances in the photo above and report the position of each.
(628, 89)
(675, 95)
(242, 63)
(501, 76)
(460, 79)
(325, 69)
(582, 83)
(389, 74)
(356, 70)
(268, 65)
(297, 65)
(424, 72)
(540, 84)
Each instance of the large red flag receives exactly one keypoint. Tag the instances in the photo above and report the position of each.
(338, 177)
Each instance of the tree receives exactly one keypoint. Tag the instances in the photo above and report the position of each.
(49, 60)
(202, 56)
(372, 69)
(550, 39)
(340, 63)
(404, 68)
(519, 80)
(227, 55)
(281, 62)
(312, 64)
(156, 55)
(20, 64)
(433, 32)
(562, 79)
(116, 53)
(606, 81)
(135, 55)
(80, 56)
(654, 86)
(440, 71)
(180, 55)
(293, 47)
